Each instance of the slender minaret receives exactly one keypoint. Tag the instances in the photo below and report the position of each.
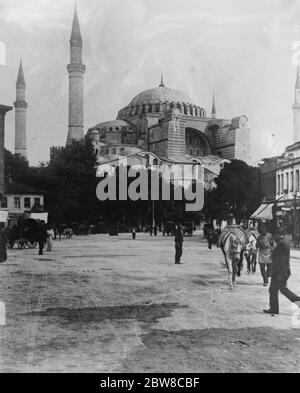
(20, 114)
(162, 80)
(213, 110)
(76, 71)
(296, 108)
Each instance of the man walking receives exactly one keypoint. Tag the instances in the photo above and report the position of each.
(265, 245)
(178, 243)
(42, 237)
(281, 272)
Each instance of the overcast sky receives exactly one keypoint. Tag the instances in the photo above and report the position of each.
(242, 49)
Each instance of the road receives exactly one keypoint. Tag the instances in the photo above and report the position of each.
(112, 304)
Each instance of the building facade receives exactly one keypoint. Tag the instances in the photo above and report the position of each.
(161, 120)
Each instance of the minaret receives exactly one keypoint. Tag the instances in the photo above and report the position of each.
(213, 111)
(76, 71)
(20, 114)
(296, 108)
(162, 80)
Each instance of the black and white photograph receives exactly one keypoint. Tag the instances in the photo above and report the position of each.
(149, 189)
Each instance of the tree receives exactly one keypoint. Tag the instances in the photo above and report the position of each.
(237, 193)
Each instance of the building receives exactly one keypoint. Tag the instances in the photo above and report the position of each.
(3, 110)
(20, 199)
(280, 177)
(161, 120)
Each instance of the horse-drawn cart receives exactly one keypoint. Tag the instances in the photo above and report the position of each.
(23, 235)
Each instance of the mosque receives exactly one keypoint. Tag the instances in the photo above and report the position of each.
(161, 121)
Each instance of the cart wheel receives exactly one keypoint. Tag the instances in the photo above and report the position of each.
(21, 243)
(32, 244)
(10, 244)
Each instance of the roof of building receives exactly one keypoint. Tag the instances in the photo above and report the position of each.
(76, 34)
(112, 123)
(17, 188)
(160, 94)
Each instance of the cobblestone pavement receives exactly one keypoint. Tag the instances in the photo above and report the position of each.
(112, 304)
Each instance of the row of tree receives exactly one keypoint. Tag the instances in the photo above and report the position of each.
(69, 183)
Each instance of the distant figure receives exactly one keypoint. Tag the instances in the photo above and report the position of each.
(178, 243)
(151, 231)
(133, 233)
(3, 241)
(281, 272)
(265, 245)
(155, 230)
(42, 237)
(50, 237)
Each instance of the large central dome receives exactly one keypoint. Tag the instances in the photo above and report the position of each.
(158, 101)
(160, 94)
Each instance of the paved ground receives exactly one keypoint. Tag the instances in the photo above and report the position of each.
(101, 304)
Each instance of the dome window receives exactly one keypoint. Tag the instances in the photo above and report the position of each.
(117, 128)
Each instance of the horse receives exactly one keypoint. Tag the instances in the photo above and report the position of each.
(250, 252)
(233, 241)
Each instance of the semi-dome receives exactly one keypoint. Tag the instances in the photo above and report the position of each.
(160, 94)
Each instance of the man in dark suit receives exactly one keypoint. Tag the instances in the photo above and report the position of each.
(281, 272)
(178, 243)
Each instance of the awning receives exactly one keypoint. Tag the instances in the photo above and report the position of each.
(264, 212)
(39, 216)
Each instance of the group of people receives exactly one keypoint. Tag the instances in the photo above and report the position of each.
(273, 256)
(45, 236)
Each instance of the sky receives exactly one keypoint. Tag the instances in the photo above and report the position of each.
(244, 50)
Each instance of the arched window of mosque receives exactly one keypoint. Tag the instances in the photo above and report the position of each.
(96, 152)
(185, 110)
(111, 129)
(157, 108)
(198, 152)
(155, 161)
(190, 139)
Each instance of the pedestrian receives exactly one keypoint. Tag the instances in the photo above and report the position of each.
(3, 241)
(50, 237)
(133, 233)
(281, 272)
(265, 245)
(42, 237)
(151, 230)
(178, 243)
(155, 230)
